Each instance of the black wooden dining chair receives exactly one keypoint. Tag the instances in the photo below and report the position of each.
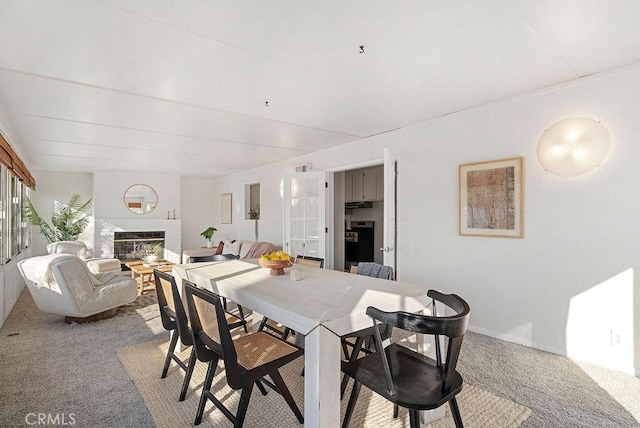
(213, 258)
(247, 358)
(406, 377)
(363, 341)
(220, 258)
(174, 318)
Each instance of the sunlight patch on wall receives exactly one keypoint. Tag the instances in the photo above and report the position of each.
(600, 324)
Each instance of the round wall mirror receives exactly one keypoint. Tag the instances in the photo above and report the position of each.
(140, 199)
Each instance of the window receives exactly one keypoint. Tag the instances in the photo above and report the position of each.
(24, 224)
(14, 228)
(3, 213)
(13, 216)
(252, 201)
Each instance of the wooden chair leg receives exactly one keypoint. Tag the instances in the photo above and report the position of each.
(243, 406)
(352, 404)
(414, 418)
(455, 412)
(396, 409)
(167, 361)
(241, 312)
(261, 387)
(345, 350)
(354, 355)
(286, 333)
(211, 371)
(277, 379)
(187, 376)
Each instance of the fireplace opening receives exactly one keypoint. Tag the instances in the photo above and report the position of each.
(127, 246)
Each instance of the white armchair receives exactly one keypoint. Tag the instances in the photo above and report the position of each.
(78, 248)
(63, 284)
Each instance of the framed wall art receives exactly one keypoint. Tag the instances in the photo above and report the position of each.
(492, 198)
(225, 208)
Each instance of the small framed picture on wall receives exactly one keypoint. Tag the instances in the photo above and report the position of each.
(225, 208)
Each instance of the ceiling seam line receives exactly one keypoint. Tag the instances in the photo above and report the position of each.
(137, 162)
(537, 92)
(149, 131)
(17, 137)
(168, 100)
(541, 39)
(156, 20)
(277, 59)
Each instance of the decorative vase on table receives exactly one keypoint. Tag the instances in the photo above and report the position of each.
(209, 243)
(150, 258)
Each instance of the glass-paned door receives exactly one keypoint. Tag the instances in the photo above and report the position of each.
(304, 212)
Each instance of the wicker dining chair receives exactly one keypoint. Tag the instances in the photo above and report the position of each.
(247, 359)
(221, 258)
(174, 319)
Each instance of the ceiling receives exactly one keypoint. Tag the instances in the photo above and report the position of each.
(181, 87)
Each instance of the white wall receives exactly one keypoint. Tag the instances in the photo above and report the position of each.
(52, 188)
(109, 187)
(198, 208)
(580, 232)
(11, 285)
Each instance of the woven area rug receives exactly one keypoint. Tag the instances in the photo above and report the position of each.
(143, 363)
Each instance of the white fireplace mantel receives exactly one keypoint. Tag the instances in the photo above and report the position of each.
(172, 229)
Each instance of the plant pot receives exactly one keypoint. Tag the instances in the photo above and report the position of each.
(151, 258)
(209, 244)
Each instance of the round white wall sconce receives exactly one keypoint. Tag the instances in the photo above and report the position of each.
(573, 146)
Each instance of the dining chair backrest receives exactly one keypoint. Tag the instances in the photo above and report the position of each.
(309, 261)
(168, 288)
(165, 300)
(375, 270)
(210, 330)
(452, 326)
(212, 258)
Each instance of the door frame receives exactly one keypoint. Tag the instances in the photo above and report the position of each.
(336, 219)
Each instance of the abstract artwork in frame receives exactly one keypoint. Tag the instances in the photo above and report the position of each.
(492, 198)
(225, 208)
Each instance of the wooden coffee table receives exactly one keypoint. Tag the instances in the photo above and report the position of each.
(143, 273)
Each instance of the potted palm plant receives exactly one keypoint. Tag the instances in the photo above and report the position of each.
(208, 234)
(68, 221)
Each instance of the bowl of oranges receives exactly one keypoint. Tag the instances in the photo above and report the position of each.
(276, 261)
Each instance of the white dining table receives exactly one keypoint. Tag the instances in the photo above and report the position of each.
(324, 305)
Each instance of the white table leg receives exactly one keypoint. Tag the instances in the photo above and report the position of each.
(321, 379)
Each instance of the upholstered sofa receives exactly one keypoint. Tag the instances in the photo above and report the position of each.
(78, 248)
(63, 284)
(244, 249)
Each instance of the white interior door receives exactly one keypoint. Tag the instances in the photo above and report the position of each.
(389, 239)
(304, 214)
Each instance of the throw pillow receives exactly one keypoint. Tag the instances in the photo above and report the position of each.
(219, 249)
(231, 247)
(85, 253)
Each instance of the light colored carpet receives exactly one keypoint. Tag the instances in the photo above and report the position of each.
(52, 367)
(479, 408)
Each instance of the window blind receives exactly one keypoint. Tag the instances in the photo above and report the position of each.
(9, 157)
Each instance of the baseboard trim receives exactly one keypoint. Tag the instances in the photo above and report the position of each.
(518, 340)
